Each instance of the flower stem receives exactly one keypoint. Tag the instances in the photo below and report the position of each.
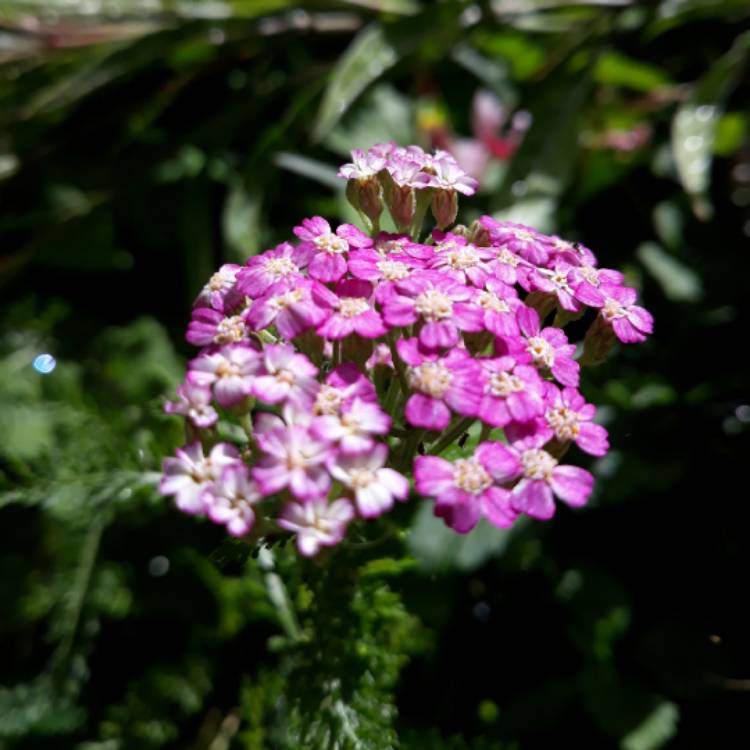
(398, 363)
(454, 432)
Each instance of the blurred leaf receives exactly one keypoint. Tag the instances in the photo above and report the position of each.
(436, 547)
(657, 729)
(383, 115)
(679, 282)
(524, 55)
(669, 223)
(311, 168)
(544, 164)
(492, 72)
(241, 222)
(369, 55)
(615, 69)
(402, 7)
(731, 131)
(695, 123)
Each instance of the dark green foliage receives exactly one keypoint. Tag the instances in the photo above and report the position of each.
(143, 145)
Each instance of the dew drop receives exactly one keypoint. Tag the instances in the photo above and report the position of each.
(158, 566)
(44, 364)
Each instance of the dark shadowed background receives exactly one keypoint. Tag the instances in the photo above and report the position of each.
(142, 144)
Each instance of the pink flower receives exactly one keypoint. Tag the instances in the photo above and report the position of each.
(353, 427)
(317, 523)
(499, 303)
(343, 386)
(381, 357)
(384, 271)
(441, 384)
(374, 487)
(208, 327)
(439, 302)
(556, 281)
(549, 348)
(230, 499)
(280, 265)
(386, 243)
(285, 375)
(190, 472)
(518, 238)
(291, 311)
(363, 165)
(350, 310)
(447, 175)
(292, 458)
(463, 261)
(630, 322)
(586, 281)
(569, 418)
(512, 391)
(541, 478)
(506, 264)
(193, 402)
(230, 371)
(573, 253)
(219, 293)
(465, 490)
(328, 249)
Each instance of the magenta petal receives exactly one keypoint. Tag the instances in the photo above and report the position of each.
(441, 334)
(572, 484)
(468, 317)
(326, 267)
(528, 320)
(589, 294)
(567, 371)
(462, 517)
(641, 319)
(497, 508)
(499, 461)
(592, 438)
(427, 412)
(399, 311)
(627, 332)
(534, 498)
(369, 325)
(432, 475)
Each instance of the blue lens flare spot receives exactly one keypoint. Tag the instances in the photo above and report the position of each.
(44, 364)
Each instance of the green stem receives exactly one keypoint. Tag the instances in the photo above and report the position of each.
(410, 447)
(397, 363)
(453, 432)
(485, 433)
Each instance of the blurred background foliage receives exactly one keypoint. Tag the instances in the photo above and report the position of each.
(144, 142)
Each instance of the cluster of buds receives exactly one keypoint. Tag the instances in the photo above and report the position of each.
(335, 370)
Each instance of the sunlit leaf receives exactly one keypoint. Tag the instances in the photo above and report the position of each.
(679, 282)
(370, 54)
(656, 730)
(695, 123)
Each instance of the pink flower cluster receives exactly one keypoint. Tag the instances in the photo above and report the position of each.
(333, 369)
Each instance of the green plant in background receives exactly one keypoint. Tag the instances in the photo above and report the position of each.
(135, 145)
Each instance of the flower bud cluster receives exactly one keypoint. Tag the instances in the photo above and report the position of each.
(349, 362)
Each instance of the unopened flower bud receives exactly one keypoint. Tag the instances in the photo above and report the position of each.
(444, 207)
(365, 195)
(402, 203)
(600, 338)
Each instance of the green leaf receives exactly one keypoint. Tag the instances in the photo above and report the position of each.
(436, 547)
(241, 222)
(656, 730)
(401, 7)
(544, 165)
(312, 168)
(695, 123)
(384, 115)
(731, 131)
(615, 69)
(369, 55)
(679, 282)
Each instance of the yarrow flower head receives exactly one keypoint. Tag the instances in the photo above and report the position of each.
(335, 368)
